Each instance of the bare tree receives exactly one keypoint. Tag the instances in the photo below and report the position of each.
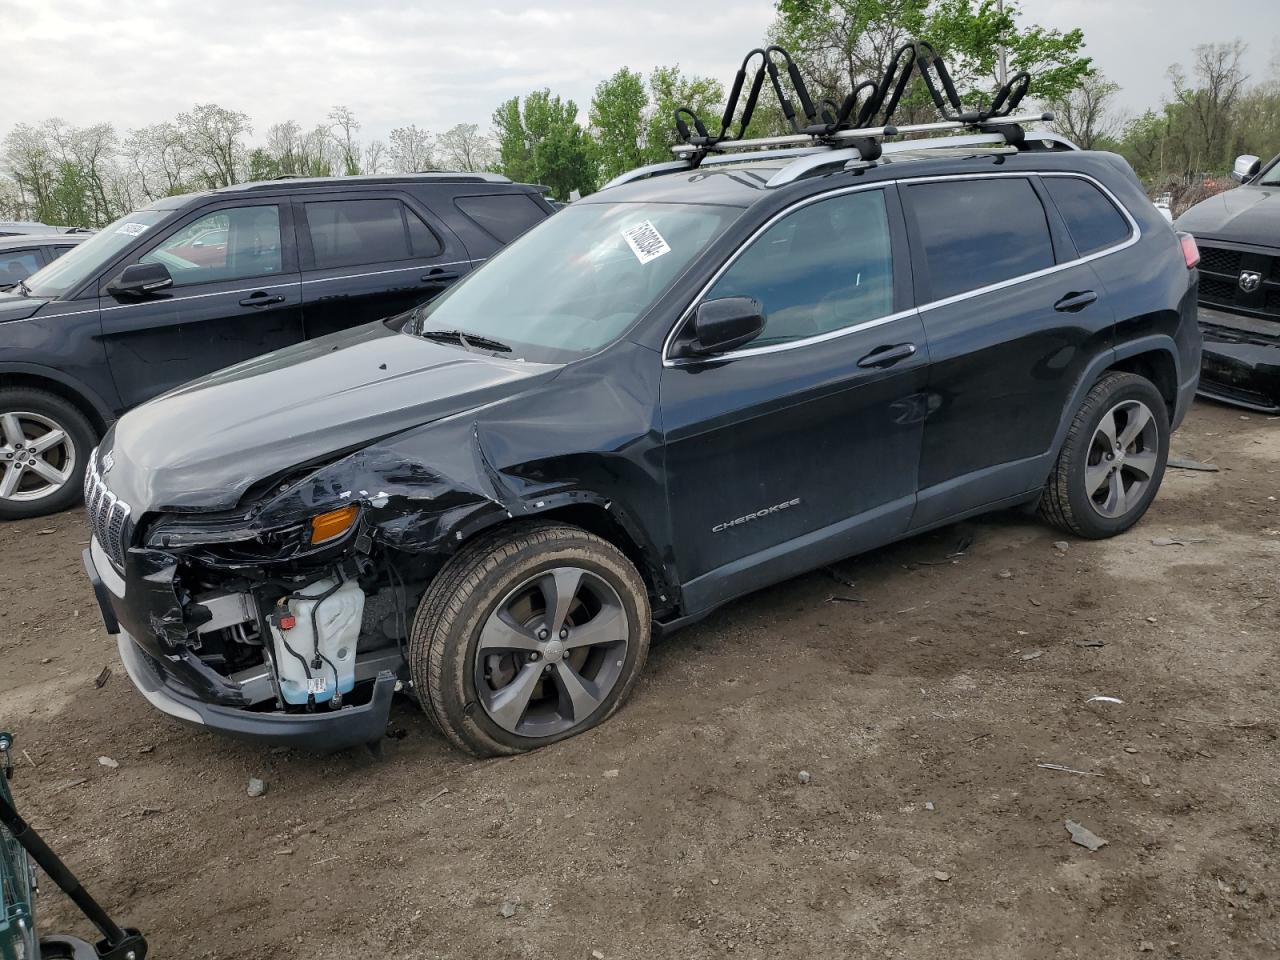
(159, 158)
(215, 136)
(1085, 115)
(411, 149)
(464, 147)
(375, 157)
(1209, 103)
(344, 126)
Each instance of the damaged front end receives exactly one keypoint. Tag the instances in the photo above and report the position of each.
(1241, 359)
(288, 621)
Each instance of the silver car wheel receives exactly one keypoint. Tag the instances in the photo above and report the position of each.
(551, 652)
(1122, 459)
(37, 457)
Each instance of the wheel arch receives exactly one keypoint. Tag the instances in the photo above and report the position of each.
(83, 398)
(1154, 357)
(602, 517)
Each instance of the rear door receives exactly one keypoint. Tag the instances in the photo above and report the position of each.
(236, 294)
(1013, 315)
(371, 255)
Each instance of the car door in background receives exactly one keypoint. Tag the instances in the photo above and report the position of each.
(226, 304)
(802, 446)
(369, 257)
(1012, 315)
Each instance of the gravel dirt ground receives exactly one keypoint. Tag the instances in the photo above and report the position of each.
(682, 828)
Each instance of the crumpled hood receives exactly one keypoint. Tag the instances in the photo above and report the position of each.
(201, 446)
(14, 306)
(1243, 215)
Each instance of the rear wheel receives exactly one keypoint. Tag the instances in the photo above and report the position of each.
(529, 637)
(1113, 459)
(44, 445)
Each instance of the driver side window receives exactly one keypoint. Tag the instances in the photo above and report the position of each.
(236, 243)
(824, 267)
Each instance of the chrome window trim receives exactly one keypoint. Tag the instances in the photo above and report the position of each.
(378, 273)
(1135, 235)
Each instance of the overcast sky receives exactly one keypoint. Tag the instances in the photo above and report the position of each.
(396, 62)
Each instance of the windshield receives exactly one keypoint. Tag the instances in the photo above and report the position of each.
(577, 281)
(76, 266)
(1272, 177)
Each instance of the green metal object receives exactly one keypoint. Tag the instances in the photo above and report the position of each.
(17, 881)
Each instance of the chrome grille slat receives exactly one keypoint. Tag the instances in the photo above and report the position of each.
(108, 514)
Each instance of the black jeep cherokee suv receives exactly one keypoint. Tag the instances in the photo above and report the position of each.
(198, 282)
(672, 393)
(1239, 237)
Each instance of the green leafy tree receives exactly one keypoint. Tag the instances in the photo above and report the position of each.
(541, 141)
(618, 122)
(840, 43)
(669, 89)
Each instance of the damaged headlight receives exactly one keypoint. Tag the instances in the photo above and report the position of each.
(249, 537)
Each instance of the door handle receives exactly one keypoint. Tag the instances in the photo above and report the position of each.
(887, 356)
(439, 276)
(261, 299)
(1075, 302)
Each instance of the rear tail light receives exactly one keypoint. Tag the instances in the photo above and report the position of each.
(1190, 251)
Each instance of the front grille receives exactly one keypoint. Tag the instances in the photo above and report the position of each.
(1216, 290)
(1218, 260)
(108, 515)
(1220, 272)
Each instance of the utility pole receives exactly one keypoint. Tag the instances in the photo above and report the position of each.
(1004, 51)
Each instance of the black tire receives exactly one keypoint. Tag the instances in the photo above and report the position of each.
(1066, 502)
(444, 641)
(82, 439)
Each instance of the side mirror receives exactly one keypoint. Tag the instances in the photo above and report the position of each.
(139, 279)
(721, 325)
(1246, 168)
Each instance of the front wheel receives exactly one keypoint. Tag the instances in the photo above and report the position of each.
(1113, 460)
(44, 445)
(528, 637)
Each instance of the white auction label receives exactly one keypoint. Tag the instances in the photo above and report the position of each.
(645, 241)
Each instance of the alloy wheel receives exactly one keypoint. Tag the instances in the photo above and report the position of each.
(1122, 458)
(551, 652)
(37, 457)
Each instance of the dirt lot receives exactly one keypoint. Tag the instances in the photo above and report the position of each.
(681, 828)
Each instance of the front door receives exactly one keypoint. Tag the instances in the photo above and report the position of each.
(236, 294)
(371, 256)
(802, 446)
(1013, 315)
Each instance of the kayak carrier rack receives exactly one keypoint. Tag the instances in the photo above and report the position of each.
(857, 128)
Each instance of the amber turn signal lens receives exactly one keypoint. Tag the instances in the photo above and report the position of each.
(333, 524)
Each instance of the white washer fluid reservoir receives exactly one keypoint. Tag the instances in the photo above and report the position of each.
(337, 619)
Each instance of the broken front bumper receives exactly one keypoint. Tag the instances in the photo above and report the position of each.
(1241, 362)
(176, 682)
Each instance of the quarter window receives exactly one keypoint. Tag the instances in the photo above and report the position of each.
(348, 233)
(979, 232)
(1092, 220)
(236, 243)
(504, 216)
(826, 266)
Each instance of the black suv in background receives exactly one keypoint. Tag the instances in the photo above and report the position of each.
(676, 391)
(1239, 237)
(198, 282)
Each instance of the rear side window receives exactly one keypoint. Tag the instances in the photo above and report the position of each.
(979, 232)
(1092, 219)
(825, 267)
(504, 216)
(59, 251)
(348, 233)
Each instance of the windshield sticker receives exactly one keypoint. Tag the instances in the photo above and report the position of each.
(131, 229)
(645, 241)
